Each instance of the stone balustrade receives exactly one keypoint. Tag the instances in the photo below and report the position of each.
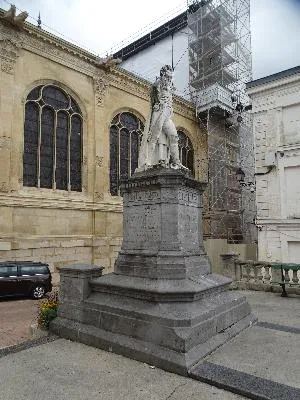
(257, 275)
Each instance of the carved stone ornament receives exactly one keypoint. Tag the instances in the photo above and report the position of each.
(99, 161)
(101, 84)
(99, 196)
(4, 187)
(8, 56)
(184, 108)
(57, 53)
(4, 143)
(84, 160)
(123, 79)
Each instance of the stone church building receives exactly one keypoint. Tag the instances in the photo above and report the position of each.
(70, 131)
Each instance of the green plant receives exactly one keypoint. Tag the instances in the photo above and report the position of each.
(48, 310)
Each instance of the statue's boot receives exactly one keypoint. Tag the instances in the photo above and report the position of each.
(176, 164)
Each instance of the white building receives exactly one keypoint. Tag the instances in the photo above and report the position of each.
(276, 123)
(167, 44)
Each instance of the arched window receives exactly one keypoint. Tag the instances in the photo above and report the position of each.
(186, 151)
(125, 138)
(52, 140)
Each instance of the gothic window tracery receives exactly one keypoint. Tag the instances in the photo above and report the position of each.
(52, 155)
(125, 138)
(186, 151)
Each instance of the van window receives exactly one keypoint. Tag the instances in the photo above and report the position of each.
(5, 272)
(41, 270)
(33, 270)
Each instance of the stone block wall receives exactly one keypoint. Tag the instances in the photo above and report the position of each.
(58, 252)
(56, 226)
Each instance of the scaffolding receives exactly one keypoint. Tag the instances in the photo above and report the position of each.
(219, 67)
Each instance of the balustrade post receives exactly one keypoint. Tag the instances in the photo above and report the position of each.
(248, 272)
(267, 277)
(229, 265)
(295, 277)
(286, 276)
(259, 273)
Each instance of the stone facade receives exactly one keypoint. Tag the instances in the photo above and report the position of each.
(276, 122)
(56, 226)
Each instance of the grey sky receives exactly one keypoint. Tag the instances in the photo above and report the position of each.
(100, 25)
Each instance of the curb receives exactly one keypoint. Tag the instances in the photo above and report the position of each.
(4, 351)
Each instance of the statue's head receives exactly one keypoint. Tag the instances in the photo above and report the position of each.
(166, 70)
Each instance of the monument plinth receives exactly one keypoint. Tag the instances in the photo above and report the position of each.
(162, 305)
(162, 226)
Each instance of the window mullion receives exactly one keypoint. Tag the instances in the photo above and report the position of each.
(39, 147)
(69, 153)
(54, 150)
(119, 160)
(129, 158)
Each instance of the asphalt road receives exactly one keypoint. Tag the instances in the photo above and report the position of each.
(16, 315)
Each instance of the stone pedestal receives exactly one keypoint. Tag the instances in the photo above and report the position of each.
(162, 305)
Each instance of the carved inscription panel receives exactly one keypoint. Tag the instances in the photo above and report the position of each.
(140, 197)
(142, 225)
(152, 223)
(189, 227)
(189, 197)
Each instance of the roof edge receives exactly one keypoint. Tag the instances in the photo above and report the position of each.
(274, 77)
(170, 27)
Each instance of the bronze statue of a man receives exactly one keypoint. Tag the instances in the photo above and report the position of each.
(160, 138)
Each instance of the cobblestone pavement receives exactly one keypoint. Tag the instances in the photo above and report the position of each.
(16, 315)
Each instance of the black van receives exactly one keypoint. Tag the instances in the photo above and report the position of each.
(26, 278)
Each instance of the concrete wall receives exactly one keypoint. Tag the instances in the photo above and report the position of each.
(216, 247)
(56, 226)
(276, 121)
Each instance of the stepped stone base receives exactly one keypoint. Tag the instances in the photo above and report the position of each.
(174, 337)
(162, 305)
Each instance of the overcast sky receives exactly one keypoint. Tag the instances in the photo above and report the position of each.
(101, 25)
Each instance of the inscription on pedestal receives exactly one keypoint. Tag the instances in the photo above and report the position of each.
(188, 196)
(142, 224)
(142, 196)
(189, 226)
(152, 222)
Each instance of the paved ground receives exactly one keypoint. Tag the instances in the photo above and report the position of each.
(15, 317)
(267, 355)
(273, 308)
(261, 363)
(63, 370)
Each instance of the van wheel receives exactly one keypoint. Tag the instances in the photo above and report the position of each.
(38, 292)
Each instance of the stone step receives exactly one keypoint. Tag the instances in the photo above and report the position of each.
(180, 362)
(167, 290)
(178, 326)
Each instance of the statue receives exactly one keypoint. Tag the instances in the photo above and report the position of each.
(160, 138)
